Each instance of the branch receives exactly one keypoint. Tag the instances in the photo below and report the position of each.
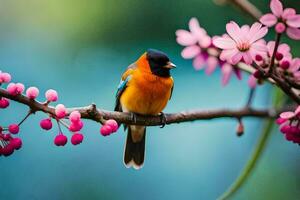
(98, 115)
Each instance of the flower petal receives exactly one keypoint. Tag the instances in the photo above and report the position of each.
(226, 73)
(293, 33)
(293, 21)
(190, 51)
(195, 27)
(247, 58)
(287, 115)
(297, 111)
(199, 62)
(295, 65)
(224, 43)
(205, 41)
(226, 55)
(268, 20)
(185, 38)
(236, 58)
(256, 32)
(252, 81)
(276, 7)
(234, 31)
(212, 63)
(288, 12)
(284, 49)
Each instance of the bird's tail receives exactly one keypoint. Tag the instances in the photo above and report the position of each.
(135, 147)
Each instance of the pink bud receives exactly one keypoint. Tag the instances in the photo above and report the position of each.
(105, 130)
(285, 64)
(258, 57)
(60, 111)
(32, 92)
(289, 136)
(113, 124)
(46, 124)
(280, 120)
(13, 128)
(4, 103)
(74, 127)
(257, 74)
(8, 150)
(51, 95)
(5, 77)
(278, 56)
(16, 143)
(20, 88)
(280, 27)
(75, 116)
(60, 140)
(76, 138)
(285, 129)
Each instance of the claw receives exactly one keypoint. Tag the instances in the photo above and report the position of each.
(163, 119)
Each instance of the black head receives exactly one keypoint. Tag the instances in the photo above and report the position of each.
(159, 62)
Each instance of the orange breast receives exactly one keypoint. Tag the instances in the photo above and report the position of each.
(146, 93)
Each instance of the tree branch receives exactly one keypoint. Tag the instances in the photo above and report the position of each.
(99, 115)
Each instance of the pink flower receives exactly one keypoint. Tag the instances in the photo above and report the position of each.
(106, 130)
(60, 111)
(51, 95)
(294, 68)
(76, 126)
(197, 43)
(242, 44)
(289, 125)
(252, 81)
(113, 124)
(283, 19)
(32, 92)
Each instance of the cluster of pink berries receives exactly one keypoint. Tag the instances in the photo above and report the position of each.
(290, 125)
(9, 144)
(109, 127)
(60, 113)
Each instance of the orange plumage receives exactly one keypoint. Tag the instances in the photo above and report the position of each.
(145, 88)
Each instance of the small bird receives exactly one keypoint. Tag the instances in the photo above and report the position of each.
(145, 89)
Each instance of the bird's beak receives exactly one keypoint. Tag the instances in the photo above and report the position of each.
(170, 65)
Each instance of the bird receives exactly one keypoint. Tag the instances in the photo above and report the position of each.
(145, 89)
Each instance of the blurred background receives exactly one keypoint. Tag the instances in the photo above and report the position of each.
(80, 48)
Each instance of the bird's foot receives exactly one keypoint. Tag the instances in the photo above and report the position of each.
(163, 119)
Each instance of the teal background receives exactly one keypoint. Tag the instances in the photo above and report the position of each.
(81, 48)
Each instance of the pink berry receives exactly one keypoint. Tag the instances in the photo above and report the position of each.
(105, 130)
(7, 137)
(75, 116)
(60, 111)
(16, 143)
(4, 103)
(8, 150)
(113, 124)
(51, 95)
(76, 138)
(76, 126)
(13, 128)
(32, 92)
(280, 27)
(15, 88)
(60, 140)
(5, 77)
(46, 124)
